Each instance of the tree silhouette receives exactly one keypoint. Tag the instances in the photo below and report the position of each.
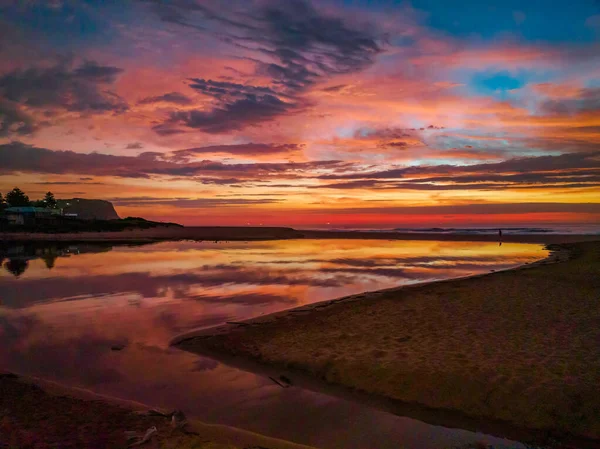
(17, 198)
(49, 260)
(16, 266)
(50, 200)
(2, 203)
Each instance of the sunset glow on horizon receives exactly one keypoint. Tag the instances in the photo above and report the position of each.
(306, 113)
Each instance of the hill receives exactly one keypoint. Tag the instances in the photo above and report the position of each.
(89, 209)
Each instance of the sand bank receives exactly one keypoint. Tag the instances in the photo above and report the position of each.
(513, 353)
(270, 233)
(160, 234)
(35, 413)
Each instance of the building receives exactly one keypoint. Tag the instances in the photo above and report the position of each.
(29, 215)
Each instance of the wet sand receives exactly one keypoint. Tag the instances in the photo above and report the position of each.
(514, 353)
(271, 233)
(40, 414)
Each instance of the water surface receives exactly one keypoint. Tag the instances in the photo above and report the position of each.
(101, 317)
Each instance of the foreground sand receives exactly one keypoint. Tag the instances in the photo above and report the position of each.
(269, 233)
(515, 353)
(32, 417)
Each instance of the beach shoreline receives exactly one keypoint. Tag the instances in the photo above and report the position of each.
(257, 345)
(557, 252)
(19, 419)
(232, 233)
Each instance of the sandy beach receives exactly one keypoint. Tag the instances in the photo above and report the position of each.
(232, 233)
(38, 414)
(515, 352)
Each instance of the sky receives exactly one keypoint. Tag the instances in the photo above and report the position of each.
(336, 113)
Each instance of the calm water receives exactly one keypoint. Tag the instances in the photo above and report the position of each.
(63, 309)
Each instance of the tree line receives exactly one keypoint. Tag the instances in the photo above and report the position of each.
(17, 198)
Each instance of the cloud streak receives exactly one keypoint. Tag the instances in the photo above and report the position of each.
(293, 44)
(17, 157)
(65, 86)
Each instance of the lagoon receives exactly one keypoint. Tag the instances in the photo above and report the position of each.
(101, 317)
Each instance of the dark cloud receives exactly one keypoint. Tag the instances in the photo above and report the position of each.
(171, 97)
(92, 71)
(177, 12)
(14, 121)
(394, 138)
(17, 295)
(233, 115)
(393, 144)
(336, 88)
(476, 209)
(167, 129)
(309, 44)
(186, 203)
(69, 183)
(515, 165)
(228, 91)
(244, 149)
(389, 134)
(134, 146)
(565, 176)
(586, 100)
(304, 42)
(219, 181)
(65, 87)
(572, 170)
(378, 185)
(19, 157)
(295, 44)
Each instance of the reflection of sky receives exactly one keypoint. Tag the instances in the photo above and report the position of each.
(61, 323)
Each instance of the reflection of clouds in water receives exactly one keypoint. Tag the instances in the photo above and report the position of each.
(440, 259)
(246, 298)
(31, 291)
(205, 364)
(14, 328)
(144, 296)
(31, 346)
(387, 272)
(173, 323)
